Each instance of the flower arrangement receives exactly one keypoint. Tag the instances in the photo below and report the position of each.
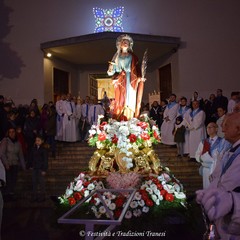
(155, 188)
(127, 136)
(153, 191)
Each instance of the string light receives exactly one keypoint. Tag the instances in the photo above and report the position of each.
(108, 20)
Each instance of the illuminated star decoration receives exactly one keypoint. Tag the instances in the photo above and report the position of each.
(108, 20)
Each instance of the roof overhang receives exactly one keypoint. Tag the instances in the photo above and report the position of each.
(93, 51)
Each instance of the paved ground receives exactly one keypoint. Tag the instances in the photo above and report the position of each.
(40, 223)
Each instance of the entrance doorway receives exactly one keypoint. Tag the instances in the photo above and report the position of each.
(60, 82)
(99, 84)
(165, 81)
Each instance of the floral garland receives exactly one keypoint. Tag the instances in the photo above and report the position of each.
(153, 191)
(125, 135)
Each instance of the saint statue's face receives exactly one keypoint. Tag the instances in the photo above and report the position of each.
(125, 44)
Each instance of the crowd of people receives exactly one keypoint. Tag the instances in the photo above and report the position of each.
(184, 123)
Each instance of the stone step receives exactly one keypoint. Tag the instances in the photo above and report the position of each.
(73, 158)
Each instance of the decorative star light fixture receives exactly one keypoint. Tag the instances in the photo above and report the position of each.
(108, 20)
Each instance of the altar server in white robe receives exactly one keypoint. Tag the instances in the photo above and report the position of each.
(94, 111)
(78, 117)
(69, 123)
(183, 111)
(209, 150)
(169, 117)
(195, 121)
(60, 114)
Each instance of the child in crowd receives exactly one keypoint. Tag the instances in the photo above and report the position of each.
(39, 165)
(179, 135)
(21, 139)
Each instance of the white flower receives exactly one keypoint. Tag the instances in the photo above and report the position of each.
(97, 201)
(141, 203)
(97, 214)
(86, 193)
(100, 145)
(94, 209)
(108, 215)
(177, 187)
(78, 187)
(153, 187)
(157, 202)
(149, 182)
(98, 185)
(154, 197)
(160, 178)
(149, 190)
(112, 206)
(112, 196)
(128, 214)
(124, 130)
(158, 193)
(133, 204)
(144, 186)
(68, 193)
(145, 209)
(91, 186)
(80, 176)
(169, 188)
(92, 132)
(108, 202)
(180, 195)
(137, 212)
(166, 177)
(71, 186)
(137, 196)
(129, 165)
(102, 210)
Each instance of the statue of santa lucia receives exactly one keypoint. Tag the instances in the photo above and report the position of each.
(128, 79)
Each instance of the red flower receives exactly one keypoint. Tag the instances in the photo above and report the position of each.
(155, 134)
(145, 136)
(114, 139)
(123, 118)
(132, 138)
(119, 202)
(144, 194)
(102, 125)
(159, 186)
(94, 179)
(149, 202)
(117, 213)
(143, 125)
(163, 192)
(102, 136)
(71, 201)
(77, 196)
(169, 197)
(85, 184)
